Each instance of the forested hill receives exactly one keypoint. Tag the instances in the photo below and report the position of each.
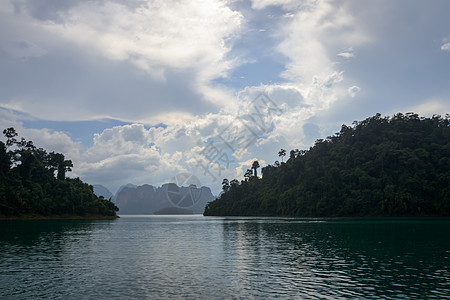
(33, 183)
(382, 166)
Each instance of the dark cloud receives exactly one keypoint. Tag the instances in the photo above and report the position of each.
(55, 10)
(67, 86)
(46, 10)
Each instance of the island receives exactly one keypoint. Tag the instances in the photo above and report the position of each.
(33, 185)
(381, 166)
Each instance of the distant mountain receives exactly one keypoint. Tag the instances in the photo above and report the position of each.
(146, 199)
(100, 190)
(129, 185)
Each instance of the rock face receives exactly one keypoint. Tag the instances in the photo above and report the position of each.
(146, 199)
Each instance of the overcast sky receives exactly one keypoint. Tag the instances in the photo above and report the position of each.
(137, 91)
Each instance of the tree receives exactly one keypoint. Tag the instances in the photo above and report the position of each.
(10, 134)
(28, 185)
(248, 174)
(292, 154)
(391, 166)
(5, 162)
(66, 166)
(282, 153)
(225, 185)
(234, 183)
(255, 167)
(58, 163)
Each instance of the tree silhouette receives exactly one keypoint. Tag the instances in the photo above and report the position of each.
(225, 185)
(292, 154)
(248, 174)
(234, 182)
(281, 154)
(255, 167)
(10, 134)
(57, 162)
(28, 185)
(381, 166)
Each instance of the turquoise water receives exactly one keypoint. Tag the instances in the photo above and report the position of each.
(195, 257)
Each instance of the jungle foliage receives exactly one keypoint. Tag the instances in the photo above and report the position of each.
(382, 166)
(33, 183)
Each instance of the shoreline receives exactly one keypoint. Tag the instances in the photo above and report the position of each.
(56, 217)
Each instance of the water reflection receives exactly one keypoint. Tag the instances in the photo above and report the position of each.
(368, 258)
(36, 253)
(193, 257)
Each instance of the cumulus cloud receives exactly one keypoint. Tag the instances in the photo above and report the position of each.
(161, 62)
(156, 35)
(137, 53)
(353, 90)
(121, 153)
(430, 107)
(310, 37)
(48, 139)
(310, 34)
(159, 37)
(134, 153)
(445, 47)
(348, 53)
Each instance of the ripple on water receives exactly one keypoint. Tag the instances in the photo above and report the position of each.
(217, 258)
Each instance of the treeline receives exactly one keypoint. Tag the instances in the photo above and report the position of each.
(382, 166)
(33, 183)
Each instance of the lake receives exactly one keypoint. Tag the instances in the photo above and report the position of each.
(196, 257)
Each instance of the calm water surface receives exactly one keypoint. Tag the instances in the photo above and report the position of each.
(195, 257)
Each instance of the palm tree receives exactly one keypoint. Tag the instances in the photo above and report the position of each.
(281, 154)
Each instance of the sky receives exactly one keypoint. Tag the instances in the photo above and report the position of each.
(137, 91)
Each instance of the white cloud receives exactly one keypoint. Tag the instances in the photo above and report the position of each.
(133, 153)
(159, 36)
(310, 38)
(176, 47)
(348, 53)
(286, 4)
(155, 62)
(430, 107)
(121, 153)
(445, 47)
(50, 140)
(353, 90)
(178, 34)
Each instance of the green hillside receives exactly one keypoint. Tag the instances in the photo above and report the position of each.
(382, 166)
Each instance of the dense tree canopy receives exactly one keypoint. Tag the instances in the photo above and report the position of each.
(382, 166)
(28, 185)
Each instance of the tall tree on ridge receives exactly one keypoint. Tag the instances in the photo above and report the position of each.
(255, 167)
(282, 153)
